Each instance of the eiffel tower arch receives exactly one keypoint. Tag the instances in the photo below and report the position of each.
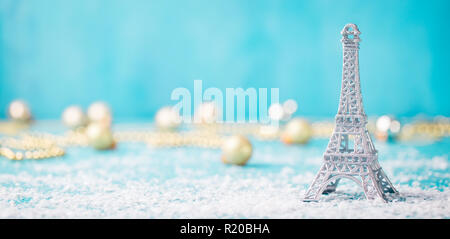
(350, 152)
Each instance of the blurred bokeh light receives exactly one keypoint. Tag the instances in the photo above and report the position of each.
(132, 54)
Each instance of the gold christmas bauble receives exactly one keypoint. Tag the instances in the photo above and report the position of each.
(236, 150)
(100, 136)
(167, 118)
(19, 111)
(207, 113)
(296, 131)
(74, 117)
(99, 112)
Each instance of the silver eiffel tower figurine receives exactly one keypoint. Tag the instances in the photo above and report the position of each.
(350, 152)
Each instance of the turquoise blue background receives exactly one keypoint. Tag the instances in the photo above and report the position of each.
(132, 54)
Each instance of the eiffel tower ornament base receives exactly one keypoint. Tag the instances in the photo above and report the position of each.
(366, 174)
(351, 153)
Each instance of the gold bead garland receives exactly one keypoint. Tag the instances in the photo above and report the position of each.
(425, 130)
(29, 147)
(44, 145)
(94, 129)
(171, 139)
(256, 130)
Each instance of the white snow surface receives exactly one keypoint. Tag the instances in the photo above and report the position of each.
(135, 184)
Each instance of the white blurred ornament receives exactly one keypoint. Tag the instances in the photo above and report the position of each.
(18, 110)
(74, 117)
(387, 128)
(296, 131)
(236, 150)
(100, 136)
(383, 123)
(99, 112)
(207, 113)
(167, 118)
(289, 108)
(276, 112)
(283, 111)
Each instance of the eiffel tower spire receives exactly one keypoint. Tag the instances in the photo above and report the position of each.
(350, 152)
(351, 102)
